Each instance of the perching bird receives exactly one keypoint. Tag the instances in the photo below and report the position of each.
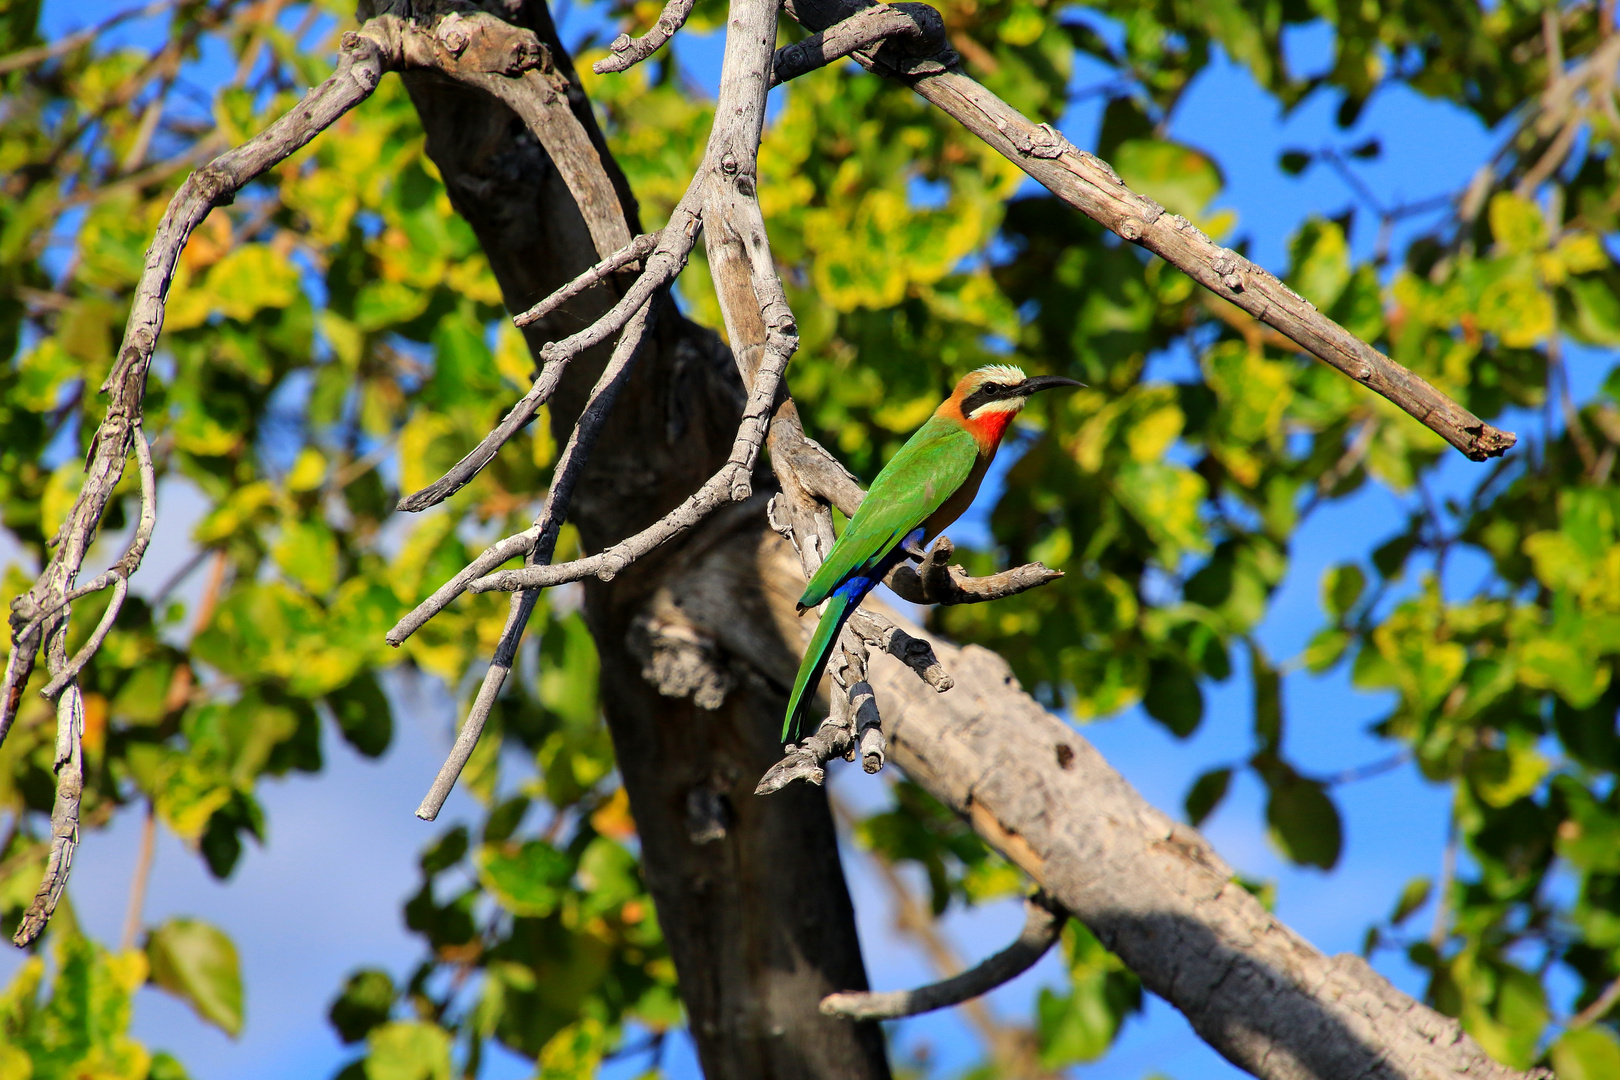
(924, 488)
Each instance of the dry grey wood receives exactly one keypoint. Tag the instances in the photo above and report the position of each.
(1043, 925)
(935, 581)
(509, 63)
(853, 714)
(68, 765)
(868, 27)
(914, 652)
(732, 483)
(1091, 186)
(627, 52)
(1153, 890)
(638, 248)
(361, 63)
(547, 527)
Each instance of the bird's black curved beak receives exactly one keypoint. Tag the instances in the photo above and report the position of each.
(1044, 382)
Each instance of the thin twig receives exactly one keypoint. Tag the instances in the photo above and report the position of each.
(66, 44)
(627, 52)
(732, 483)
(68, 765)
(1043, 926)
(516, 418)
(1599, 1007)
(639, 248)
(569, 466)
(911, 651)
(937, 582)
(141, 878)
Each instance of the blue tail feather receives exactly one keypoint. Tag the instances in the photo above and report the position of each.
(840, 605)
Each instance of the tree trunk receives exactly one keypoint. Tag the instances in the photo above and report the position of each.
(750, 892)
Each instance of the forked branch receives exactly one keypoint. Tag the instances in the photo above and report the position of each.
(1091, 186)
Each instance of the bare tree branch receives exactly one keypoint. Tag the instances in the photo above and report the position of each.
(68, 765)
(68, 42)
(1154, 892)
(628, 52)
(547, 527)
(361, 63)
(1043, 925)
(867, 27)
(732, 483)
(1091, 186)
(935, 581)
(639, 248)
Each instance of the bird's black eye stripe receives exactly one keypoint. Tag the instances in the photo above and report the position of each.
(987, 394)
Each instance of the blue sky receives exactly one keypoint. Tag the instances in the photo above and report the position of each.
(324, 895)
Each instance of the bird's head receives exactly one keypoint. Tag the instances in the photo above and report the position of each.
(988, 398)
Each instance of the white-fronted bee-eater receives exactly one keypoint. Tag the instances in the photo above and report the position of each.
(922, 489)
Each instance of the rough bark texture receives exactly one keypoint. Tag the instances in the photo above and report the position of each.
(750, 892)
(1154, 891)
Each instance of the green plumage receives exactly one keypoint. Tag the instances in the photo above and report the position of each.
(917, 482)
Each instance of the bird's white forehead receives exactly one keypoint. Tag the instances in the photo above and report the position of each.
(1005, 374)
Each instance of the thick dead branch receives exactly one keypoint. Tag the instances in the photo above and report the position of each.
(510, 64)
(1154, 892)
(628, 52)
(546, 528)
(935, 581)
(1043, 925)
(919, 23)
(1091, 186)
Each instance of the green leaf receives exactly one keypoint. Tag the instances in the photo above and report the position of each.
(528, 880)
(307, 552)
(1183, 179)
(1304, 823)
(363, 715)
(1294, 162)
(1414, 896)
(1206, 794)
(196, 962)
(1081, 1025)
(1325, 649)
(1321, 262)
(408, 1050)
(1173, 697)
(1268, 714)
(1588, 1053)
(575, 1052)
(363, 1004)
(1341, 588)
(250, 279)
(1517, 224)
(446, 852)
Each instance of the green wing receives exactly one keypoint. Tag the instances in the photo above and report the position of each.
(929, 468)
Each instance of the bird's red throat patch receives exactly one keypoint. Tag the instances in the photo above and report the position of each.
(988, 427)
